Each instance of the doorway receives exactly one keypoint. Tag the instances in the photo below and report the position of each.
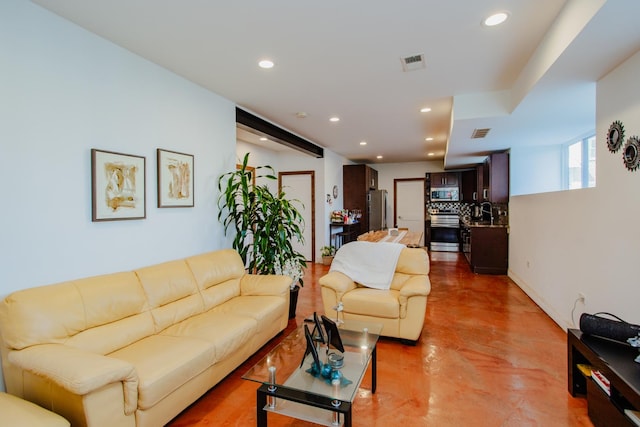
(408, 204)
(299, 187)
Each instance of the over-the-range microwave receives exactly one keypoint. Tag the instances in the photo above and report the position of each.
(445, 194)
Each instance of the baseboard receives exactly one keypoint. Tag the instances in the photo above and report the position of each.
(540, 302)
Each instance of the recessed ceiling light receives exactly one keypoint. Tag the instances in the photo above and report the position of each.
(363, 142)
(431, 154)
(425, 110)
(496, 19)
(334, 119)
(301, 115)
(266, 63)
(263, 139)
(428, 139)
(378, 157)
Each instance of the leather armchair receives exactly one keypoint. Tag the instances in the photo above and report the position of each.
(401, 310)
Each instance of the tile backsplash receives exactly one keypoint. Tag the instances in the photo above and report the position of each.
(464, 209)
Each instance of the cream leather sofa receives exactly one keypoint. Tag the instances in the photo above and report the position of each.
(401, 310)
(136, 348)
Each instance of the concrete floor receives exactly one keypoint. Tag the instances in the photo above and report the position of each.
(488, 356)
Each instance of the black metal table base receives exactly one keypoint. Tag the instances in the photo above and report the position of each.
(317, 401)
(298, 396)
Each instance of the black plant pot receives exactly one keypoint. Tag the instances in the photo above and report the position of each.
(293, 301)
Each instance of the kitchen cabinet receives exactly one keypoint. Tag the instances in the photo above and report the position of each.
(486, 247)
(427, 233)
(496, 178)
(357, 181)
(445, 179)
(469, 186)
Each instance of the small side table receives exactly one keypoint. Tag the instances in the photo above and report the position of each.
(348, 234)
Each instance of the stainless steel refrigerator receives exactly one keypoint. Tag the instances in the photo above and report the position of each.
(377, 209)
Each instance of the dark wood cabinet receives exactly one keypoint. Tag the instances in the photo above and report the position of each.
(481, 179)
(357, 181)
(496, 178)
(469, 186)
(615, 361)
(371, 178)
(445, 179)
(427, 233)
(486, 248)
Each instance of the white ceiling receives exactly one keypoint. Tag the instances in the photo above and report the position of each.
(531, 80)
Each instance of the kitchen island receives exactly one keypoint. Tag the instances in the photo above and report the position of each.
(410, 239)
(485, 244)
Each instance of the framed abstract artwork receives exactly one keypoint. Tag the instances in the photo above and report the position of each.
(175, 179)
(118, 189)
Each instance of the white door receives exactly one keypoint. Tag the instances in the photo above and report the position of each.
(409, 204)
(299, 186)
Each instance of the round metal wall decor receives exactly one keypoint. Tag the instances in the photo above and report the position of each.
(631, 153)
(615, 136)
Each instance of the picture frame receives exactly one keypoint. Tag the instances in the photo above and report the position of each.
(175, 179)
(118, 186)
(333, 334)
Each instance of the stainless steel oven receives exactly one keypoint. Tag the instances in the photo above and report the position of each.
(445, 232)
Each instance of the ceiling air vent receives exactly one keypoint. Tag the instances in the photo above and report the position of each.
(480, 133)
(413, 62)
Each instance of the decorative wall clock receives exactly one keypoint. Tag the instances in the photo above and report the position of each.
(631, 153)
(615, 136)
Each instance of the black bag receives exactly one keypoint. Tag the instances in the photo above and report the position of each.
(617, 330)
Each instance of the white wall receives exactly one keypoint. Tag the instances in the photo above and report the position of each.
(535, 169)
(387, 172)
(65, 91)
(328, 172)
(586, 240)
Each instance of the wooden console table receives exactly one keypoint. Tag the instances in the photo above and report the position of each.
(616, 362)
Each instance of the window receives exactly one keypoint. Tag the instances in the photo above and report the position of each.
(580, 163)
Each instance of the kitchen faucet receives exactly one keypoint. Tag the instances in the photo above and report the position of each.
(490, 211)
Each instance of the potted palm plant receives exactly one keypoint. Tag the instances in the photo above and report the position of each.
(265, 224)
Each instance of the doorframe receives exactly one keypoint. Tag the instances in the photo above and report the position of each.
(313, 204)
(395, 198)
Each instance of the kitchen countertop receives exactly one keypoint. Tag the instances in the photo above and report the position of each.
(466, 221)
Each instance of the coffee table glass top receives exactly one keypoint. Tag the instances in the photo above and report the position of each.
(359, 340)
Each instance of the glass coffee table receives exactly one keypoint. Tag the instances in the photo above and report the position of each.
(289, 385)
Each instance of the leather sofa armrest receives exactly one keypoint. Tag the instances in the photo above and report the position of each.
(416, 286)
(265, 284)
(339, 282)
(79, 371)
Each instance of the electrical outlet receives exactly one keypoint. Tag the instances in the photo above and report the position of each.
(582, 298)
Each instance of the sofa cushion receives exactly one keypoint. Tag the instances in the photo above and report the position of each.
(171, 291)
(218, 275)
(264, 309)
(116, 310)
(164, 363)
(54, 313)
(372, 302)
(224, 330)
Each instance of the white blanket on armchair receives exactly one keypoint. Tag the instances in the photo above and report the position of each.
(367, 263)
